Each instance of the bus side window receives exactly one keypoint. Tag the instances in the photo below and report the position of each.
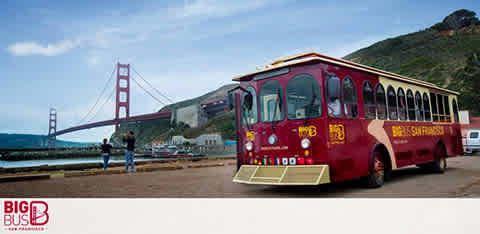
(447, 109)
(441, 112)
(455, 110)
(392, 103)
(369, 101)
(350, 98)
(249, 106)
(380, 98)
(402, 109)
(426, 107)
(433, 99)
(410, 105)
(334, 105)
(418, 106)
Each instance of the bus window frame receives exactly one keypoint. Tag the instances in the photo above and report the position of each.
(320, 96)
(405, 110)
(281, 107)
(409, 109)
(419, 112)
(374, 104)
(254, 99)
(388, 103)
(347, 77)
(455, 110)
(425, 105)
(379, 85)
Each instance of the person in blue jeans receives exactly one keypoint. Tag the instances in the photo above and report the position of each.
(105, 153)
(129, 138)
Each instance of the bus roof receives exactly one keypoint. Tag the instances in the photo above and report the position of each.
(313, 57)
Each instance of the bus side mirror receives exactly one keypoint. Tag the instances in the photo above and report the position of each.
(230, 100)
(333, 87)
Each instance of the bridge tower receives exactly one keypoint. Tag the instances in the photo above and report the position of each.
(52, 129)
(123, 93)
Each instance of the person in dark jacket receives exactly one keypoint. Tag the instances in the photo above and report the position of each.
(105, 153)
(129, 138)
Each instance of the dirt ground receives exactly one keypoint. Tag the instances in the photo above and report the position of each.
(462, 179)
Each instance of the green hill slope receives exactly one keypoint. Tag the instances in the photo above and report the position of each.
(439, 54)
(34, 141)
(147, 131)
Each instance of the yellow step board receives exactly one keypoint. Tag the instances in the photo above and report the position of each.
(283, 175)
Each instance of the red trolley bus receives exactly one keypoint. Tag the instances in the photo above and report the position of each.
(311, 119)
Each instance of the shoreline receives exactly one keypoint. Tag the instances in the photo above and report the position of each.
(85, 166)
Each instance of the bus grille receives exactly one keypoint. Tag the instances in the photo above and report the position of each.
(283, 175)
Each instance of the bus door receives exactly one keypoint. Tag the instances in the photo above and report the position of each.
(344, 129)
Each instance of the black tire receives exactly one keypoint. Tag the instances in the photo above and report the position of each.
(439, 165)
(377, 175)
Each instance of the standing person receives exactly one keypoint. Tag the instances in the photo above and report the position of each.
(105, 153)
(129, 138)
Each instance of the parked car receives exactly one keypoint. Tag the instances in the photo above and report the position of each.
(181, 153)
(473, 141)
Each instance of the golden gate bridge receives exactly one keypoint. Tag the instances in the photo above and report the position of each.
(122, 105)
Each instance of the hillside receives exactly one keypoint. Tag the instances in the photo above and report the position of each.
(146, 131)
(438, 54)
(32, 141)
(216, 94)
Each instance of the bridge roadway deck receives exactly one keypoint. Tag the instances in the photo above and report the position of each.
(462, 179)
(158, 115)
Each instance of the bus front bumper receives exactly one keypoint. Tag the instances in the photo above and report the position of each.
(283, 175)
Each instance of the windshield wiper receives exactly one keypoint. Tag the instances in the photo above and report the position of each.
(278, 102)
(309, 108)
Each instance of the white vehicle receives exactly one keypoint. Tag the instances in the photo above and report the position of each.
(473, 141)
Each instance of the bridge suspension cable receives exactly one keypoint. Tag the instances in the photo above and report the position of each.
(101, 94)
(105, 102)
(146, 91)
(161, 94)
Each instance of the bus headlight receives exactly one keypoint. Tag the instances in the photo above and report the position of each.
(305, 143)
(249, 146)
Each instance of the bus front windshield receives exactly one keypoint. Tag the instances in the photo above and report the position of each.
(271, 101)
(249, 106)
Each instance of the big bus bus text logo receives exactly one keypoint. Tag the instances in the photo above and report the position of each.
(406, 131)
(24, 215)
(307, 131)
(336, 133)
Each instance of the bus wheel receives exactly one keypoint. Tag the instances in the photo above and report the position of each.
(376, 177)
(440, 163)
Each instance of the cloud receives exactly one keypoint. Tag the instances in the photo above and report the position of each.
(93, 60)
(218, 8)
(33, 48)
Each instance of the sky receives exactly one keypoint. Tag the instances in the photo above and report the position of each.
(61, 54)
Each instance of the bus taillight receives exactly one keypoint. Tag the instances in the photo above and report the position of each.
(309, 161)
(300, 161)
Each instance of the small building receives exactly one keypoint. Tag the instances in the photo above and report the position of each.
(214, 107)
(192, 115)
(209, 139)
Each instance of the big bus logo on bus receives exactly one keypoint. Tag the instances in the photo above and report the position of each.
(25, 216)
(250, 136)
(336, 133)
(307, 131)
